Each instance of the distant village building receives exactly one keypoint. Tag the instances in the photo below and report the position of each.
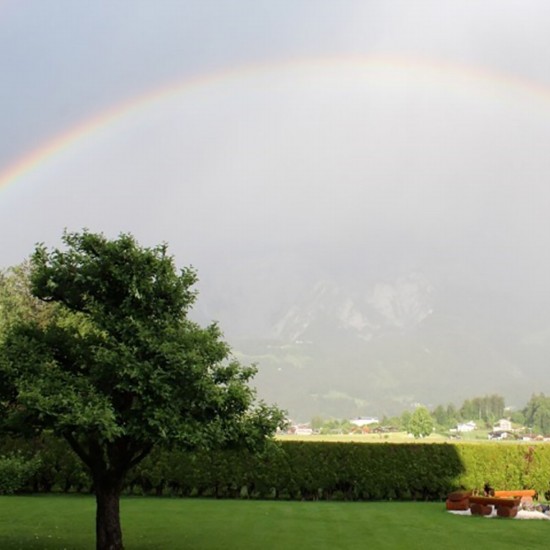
(364, 421)
(466, 427)
(300, 429)
(503, 425)
(502, 430)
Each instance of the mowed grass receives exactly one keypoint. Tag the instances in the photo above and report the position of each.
(57, 522)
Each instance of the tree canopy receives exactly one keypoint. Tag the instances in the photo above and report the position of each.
(537, 413)
(421, 423)
(117, 366)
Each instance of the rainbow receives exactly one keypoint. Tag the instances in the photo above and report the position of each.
(434, 73)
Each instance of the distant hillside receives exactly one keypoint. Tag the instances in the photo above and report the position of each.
(380, 348)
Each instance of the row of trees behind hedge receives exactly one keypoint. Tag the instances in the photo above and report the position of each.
(293, 470)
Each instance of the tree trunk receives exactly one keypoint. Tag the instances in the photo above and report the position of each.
(108, 530)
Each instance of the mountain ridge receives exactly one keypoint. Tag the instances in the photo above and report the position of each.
(385, 346)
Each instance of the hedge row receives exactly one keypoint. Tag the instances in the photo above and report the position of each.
(309, 471)
(41, 465)
(302, 470)
(15, 471)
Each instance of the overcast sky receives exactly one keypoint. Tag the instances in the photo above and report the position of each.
(294, 140)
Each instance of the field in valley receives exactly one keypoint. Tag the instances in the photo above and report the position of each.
(392, 437)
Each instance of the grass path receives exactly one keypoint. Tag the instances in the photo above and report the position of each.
(58, 522)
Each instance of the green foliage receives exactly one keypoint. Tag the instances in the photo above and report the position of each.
(317, 423)
(15, 472)
(537, 414)
(440, 417)
(518, 418)
(452, 415)
(335, 426)
(17, 301)
(117, 367)
(505, 466)
(312, 471)
(421, 423)
(306, 470)
(394, 422)
(16, 304)
(405, 420)
(120, 361)
(488, 408)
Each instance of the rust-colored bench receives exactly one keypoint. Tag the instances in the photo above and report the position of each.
(459, 500)
(483, 506)
(526, 495)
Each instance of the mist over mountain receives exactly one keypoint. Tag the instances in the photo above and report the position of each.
(375, 343)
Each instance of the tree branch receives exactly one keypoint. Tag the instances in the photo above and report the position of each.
(78, 449)
(140, 456)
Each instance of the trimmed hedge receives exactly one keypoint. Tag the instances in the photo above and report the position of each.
(303, 470)
(506, 466)
(346, 471)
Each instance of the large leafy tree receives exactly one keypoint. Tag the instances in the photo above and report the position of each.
(117, 367)
(421, 423)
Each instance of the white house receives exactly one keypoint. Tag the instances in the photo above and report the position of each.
(466, 427)
(303, 430)
(364, 421)
(503, 425)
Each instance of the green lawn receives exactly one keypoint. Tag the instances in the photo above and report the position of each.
(57, 522)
